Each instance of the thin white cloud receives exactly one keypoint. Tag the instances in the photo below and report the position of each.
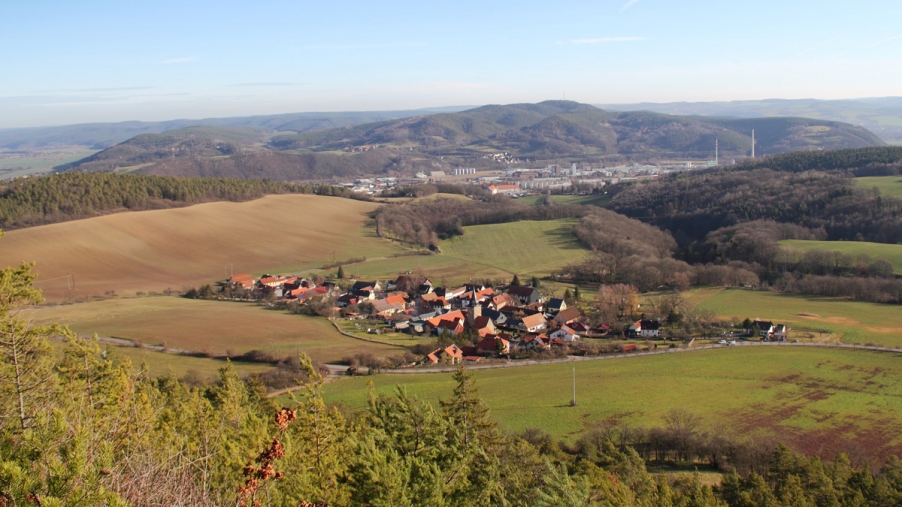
(601, 40)
(184, 59)
(628, 5)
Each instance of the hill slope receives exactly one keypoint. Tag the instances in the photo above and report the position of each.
(543, 132)
(185, 247)
(882, 116)
(556, 128)
(104, 135)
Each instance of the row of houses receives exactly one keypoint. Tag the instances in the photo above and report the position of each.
(286, 288)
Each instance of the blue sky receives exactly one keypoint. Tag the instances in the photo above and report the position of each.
(79, 61)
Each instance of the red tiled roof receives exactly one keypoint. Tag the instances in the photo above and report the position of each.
(435, 321)
(534, 320)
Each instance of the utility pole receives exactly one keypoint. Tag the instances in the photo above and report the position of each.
(573, 401)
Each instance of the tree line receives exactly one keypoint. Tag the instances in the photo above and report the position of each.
(854, 159)
(59, 197)
(630, 252)
(693, 205)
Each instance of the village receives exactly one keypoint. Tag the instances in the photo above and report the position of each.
(474, 322)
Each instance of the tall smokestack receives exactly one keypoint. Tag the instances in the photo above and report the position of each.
(753, 143)
(716, 147)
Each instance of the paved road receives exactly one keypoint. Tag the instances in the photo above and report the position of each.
(625, 355)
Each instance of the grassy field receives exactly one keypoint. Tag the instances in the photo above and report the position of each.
(161, 364)
(487, 251)
(594, 200)
(815, 399)
(892, 253)
(852, 321)
(524, 248)
(39, 161)
(185, 247)
(216, 327)
(887, 185)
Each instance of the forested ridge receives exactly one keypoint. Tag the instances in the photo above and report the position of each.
(67, 196)
(863, 160)
(692, 205)
(83, 428)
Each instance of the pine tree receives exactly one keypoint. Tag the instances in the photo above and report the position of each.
(25, 352)
(516, 281)
(341, 273)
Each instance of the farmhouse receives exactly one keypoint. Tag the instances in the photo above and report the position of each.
(493, 345)
(242, 281)
(448, 355)
(535, 341)
(781, 332)
(566, 316)
(765, 328)
(645, 329)
(565, 333)
(533, 323)
(525, 294)
(555, 305)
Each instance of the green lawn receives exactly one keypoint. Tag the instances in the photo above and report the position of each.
(887, 185)
(805, 396)
(523, 248)
(852, 321)
(892, 253)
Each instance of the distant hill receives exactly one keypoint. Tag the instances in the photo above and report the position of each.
(104, 135)
(561, 128)
(882, 116)
(190, 142)
(544, 132)
(238, 152)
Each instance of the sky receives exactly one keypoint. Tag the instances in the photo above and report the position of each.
(78, 61)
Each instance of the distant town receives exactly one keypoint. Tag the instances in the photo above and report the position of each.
(516, 182)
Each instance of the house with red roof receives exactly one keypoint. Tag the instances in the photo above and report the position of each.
(493, 345)
(451, 354)
(565, 333)
(242, 281)
(533, 323)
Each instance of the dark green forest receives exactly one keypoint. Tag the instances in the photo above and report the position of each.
(873, 161)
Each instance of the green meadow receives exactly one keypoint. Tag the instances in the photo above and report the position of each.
(892, 253)
(851, 321)
(805, 396)
(526, 248)
(523, 248)
(887, 185)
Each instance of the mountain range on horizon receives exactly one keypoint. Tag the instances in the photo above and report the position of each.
(537, 134)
